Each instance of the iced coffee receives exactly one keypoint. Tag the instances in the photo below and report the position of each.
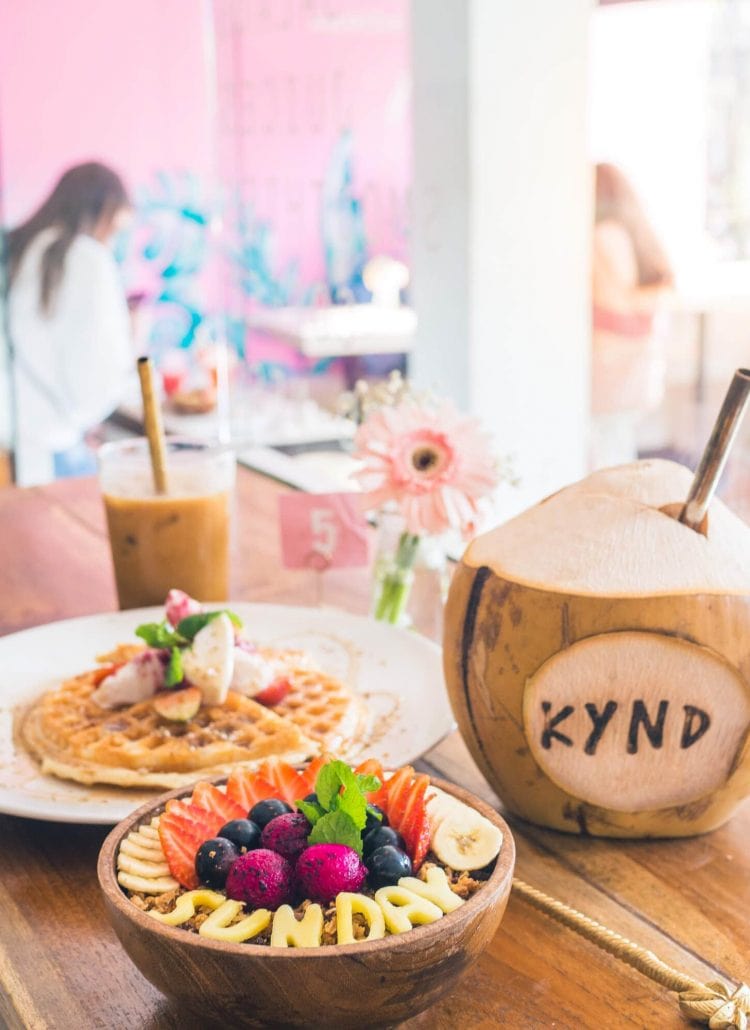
(178, 539)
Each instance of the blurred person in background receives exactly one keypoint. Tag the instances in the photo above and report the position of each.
(632, 278)
(68, 322)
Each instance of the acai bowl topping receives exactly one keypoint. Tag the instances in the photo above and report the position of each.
(323, 856)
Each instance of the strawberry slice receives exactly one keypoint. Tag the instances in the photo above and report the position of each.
(398, 787)
(103, 671)
(413, 824)
(310, 774)
(289, 785)
(416, 798)
(273, 693)
(418, 837)
(247, 788)
(214, 800)
(182, 830)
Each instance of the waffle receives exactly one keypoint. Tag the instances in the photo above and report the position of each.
(75, 739)
(121, 653)
(322, 707)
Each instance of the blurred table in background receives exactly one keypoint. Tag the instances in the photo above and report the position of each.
(340, 330)
(291, 439)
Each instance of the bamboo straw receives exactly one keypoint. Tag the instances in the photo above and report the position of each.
(717, 450)
(153, 425)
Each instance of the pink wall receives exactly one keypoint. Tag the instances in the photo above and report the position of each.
(134, 84)
(121, 82)
(292, 77)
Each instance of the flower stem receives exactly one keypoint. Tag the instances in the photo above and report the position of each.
(397, 581)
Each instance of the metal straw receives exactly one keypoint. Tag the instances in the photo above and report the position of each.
(715, 456)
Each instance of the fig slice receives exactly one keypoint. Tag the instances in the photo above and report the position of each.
(178, 705)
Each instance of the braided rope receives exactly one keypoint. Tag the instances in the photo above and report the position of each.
(714, 1004)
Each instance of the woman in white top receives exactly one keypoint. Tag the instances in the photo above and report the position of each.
(68, 322)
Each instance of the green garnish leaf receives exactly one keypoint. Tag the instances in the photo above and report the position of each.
(328, 784)
(311, 811)
(174, 673)
(160, 634)
(368, 784)
(191, 624)
(354, 804)
(371, 810)
(338, 790)
(337, 828)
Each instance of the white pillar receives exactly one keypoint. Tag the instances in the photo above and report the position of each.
(502, 225)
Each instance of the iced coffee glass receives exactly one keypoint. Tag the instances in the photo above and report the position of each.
(178, 539)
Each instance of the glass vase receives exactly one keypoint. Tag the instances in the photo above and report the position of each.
(410, 577)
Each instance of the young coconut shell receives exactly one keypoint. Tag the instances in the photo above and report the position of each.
(597, 656)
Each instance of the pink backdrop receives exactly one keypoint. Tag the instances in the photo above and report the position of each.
(121, 82)
(292, 79)
(289, 118)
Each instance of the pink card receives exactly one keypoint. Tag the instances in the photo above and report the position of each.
(323, 531)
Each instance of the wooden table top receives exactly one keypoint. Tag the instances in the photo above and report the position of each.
(62, 967)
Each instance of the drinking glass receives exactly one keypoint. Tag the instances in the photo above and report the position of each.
(177, 539)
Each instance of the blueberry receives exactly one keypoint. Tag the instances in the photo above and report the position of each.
(242, 832)
(380, 837)
(312, 798)
(373, 811)
(265, 811)
(214, 860)
(387, 865)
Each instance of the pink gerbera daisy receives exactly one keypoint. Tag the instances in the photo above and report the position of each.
(432, 461)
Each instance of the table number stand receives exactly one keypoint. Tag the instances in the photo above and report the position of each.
(319, 563)
(321, 532)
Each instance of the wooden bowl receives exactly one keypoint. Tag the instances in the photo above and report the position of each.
(374, 983)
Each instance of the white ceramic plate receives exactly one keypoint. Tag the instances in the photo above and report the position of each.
(398, 672)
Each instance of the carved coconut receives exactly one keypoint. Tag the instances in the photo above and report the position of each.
(597, 656)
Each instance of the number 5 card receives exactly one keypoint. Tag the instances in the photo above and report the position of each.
(323, 531)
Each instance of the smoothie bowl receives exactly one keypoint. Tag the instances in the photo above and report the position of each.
(322, 896)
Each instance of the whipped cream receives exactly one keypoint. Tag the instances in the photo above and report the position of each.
(135, 681)
(253, 673)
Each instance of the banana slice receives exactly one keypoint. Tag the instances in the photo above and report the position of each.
(146, 885)
(209, 663)
(141, 863)
(464, 839)
(439, 805)
(142, 847)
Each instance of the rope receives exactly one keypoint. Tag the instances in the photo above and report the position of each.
(714, 1004)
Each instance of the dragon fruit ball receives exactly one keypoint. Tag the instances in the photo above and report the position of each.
(286, 834)
(324, 870)
(179, 605)
(261, 878)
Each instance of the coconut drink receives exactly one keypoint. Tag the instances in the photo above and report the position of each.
(597, 657)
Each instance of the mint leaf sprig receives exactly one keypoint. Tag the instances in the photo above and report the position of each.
(174, 673)
(340, 814)
(161, 634)
(165, 637)
(191, 624)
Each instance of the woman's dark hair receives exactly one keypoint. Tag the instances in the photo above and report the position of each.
(84, 195)
(616, 201)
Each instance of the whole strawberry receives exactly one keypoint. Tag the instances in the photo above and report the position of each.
(260, 878)
(324, 870)
(287, 835)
